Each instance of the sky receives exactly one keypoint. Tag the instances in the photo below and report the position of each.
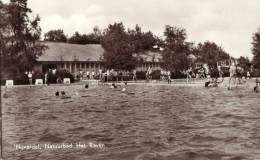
(229, 23)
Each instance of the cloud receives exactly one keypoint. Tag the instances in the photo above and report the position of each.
(94, 9)
(229, 23)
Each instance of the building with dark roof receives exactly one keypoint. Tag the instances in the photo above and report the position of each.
(75, 57)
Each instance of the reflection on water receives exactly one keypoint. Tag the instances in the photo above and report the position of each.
(143, 123)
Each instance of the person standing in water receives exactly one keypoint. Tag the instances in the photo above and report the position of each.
(220, 74)
(232, 74)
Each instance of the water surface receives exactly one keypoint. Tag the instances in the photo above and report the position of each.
(143, 123)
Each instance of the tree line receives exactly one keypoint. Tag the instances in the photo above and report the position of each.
(20, 43)
(122, 44)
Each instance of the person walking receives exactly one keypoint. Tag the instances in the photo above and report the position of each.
(30, 78)
(46, 78)
(169, 76)
(134, 75)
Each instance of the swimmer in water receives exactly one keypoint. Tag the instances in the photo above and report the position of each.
(57, 93)
(63, 93)
(113, 85)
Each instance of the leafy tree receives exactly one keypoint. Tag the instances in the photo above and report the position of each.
(176, 49)
(4, 26)
(118, 48)
(93, 38)
(210, 53)
(78, 38)
(55, 36)
(20, 35)
(244, 62)
(256, 49)
(97, 35)
(142, 40)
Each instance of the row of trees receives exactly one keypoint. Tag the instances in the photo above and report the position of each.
(77, 38)
(121, 45)
(20, 43)
(142, 40)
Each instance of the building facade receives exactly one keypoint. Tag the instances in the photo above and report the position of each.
(76, 58)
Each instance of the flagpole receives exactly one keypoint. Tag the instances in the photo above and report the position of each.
(1, 129)
(1, 114)
(1, 120)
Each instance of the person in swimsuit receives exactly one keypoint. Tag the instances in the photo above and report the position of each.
(232, 74)
(240, 74)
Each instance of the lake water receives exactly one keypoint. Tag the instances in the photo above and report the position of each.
(147, 122)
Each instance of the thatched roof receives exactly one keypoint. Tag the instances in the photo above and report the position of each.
(91, 52)
(70, 52)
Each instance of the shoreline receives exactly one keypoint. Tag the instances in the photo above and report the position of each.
(175, 82)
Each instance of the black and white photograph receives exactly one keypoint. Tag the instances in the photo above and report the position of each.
(130, 80)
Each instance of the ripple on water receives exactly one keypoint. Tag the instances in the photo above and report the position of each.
(47, 117)
(5, 95)
(202, 139)
(51, 138)
(149, 156)
(196, 155)
(76, 129)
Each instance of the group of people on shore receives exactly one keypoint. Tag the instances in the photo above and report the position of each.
(214, 75)
(106, 75)
(88, 74)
